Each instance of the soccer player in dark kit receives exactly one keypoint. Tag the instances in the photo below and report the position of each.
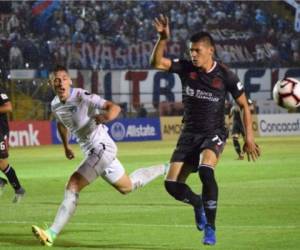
(6, 107)
(238, 127)
(205, 83)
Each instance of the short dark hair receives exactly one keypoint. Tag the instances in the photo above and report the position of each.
(59, 67)
(202, 36)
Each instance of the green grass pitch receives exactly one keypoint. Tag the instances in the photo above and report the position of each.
(259, 203)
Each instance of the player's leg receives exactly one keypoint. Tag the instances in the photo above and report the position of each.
(143, 176)
(115, 174)
(68, 206)
(174, 183)
(236, 131)
(78, 180)
(9, 171)
(3, 183)
(185, 159)
(176, 187)
(237, 146)
(211, 149)
(209, 193)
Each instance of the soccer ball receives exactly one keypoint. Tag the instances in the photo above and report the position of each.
(286, 93)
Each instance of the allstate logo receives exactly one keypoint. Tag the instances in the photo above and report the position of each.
(118, 131)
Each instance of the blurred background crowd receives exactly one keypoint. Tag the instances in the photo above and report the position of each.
(255, 33)
(97, 38)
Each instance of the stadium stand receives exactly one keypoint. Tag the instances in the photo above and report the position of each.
(94, 34)
(113, 35)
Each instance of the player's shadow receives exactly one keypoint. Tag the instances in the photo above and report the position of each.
(68, 244)
(20, 239)
(26, 240)
(118, 204)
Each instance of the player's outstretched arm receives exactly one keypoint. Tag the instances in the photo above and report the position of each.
(250, 147)
(63, 132)
(112, 111)
(157, 59)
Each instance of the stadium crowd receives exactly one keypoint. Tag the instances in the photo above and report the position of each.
(29, 42)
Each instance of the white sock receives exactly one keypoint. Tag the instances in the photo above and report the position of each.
(143, 176)
(65, 211)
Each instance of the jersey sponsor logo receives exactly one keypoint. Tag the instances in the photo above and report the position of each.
(201, 94)
(239, 86)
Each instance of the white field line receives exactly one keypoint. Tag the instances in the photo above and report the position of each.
(158, 225)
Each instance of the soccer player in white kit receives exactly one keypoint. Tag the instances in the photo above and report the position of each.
(78, 111)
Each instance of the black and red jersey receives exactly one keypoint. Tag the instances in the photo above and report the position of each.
(203, 95)
(4, 129)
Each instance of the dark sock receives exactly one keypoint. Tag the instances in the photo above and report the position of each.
(12, 177)
(237, 146)
(182, 192)
(209, 193)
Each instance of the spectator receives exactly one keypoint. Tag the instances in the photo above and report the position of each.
(15, 57)
(142, 112)
(13, 23)
(122, 24)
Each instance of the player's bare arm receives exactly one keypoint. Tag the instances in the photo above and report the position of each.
(6, 107)
(112, 111)
(250, 147)
(63, 132)
(157, 59)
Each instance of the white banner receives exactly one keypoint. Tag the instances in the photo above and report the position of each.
(279, 125)
(22, 73)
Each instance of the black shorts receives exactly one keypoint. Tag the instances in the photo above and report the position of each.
(190, 145)
(3, 146)
(238, 128)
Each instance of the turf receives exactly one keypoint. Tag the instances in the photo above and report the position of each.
(258, 205)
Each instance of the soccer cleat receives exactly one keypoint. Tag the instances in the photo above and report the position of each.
(200, 218)
(209, 237)
(241, 157)
(44, 236)
(3, 183)
(19, 194)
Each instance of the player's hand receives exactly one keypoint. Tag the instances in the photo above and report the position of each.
(252, 150)
(69, 153)
(161, 25)
(101, 118)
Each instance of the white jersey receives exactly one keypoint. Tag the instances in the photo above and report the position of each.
(76, 114)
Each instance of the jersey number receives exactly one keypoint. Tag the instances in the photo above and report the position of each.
(2, 145)
(218, 140)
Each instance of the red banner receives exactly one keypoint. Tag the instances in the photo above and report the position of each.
(29, 133)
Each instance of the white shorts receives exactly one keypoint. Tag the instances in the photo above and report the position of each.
(102, 161)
